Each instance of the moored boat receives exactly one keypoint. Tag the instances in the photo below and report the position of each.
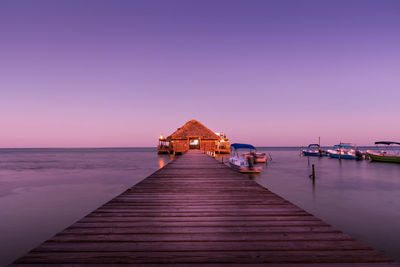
(241, 164)
(385, 154)
(345, 151)
(312, 150)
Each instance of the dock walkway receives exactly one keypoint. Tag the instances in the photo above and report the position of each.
(196, 210)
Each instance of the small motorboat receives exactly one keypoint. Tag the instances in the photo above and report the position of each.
(257, 157)
(345, 151)
(312, 150)
(385, 154)
(241, 164)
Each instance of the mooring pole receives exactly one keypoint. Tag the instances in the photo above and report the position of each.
(313, 174)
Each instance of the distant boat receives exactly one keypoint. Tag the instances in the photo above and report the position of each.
(385, 154)
(345, 151)
(239, 163)
(312, 150)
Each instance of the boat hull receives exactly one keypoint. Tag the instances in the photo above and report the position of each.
(260, 160)
(312, 154)
(256, 157)
(381, 158)
(343, 156)
(245, 169)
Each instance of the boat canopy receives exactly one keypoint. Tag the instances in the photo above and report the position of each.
(342, 145)
(244, 146)
(313, 145)
(387, 143)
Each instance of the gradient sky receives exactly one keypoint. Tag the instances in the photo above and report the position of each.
(92, 73)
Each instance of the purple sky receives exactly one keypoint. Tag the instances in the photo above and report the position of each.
(274, 73)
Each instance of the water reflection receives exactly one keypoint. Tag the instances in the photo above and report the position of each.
(164, 160)
(161, 161)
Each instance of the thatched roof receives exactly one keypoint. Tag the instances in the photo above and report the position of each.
(193, 128)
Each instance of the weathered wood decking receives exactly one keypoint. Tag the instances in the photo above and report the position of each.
(198, 211)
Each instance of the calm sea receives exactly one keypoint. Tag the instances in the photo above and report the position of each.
(43, 191)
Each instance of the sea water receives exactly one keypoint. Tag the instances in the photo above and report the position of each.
(43, 191)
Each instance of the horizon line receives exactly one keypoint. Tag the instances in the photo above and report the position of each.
(113, 147)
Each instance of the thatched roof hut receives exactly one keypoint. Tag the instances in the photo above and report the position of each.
(192, 135)
(193, 129)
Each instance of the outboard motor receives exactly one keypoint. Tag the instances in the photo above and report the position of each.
(359, 155)
(250, 161)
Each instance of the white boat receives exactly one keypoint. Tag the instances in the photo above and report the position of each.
(345, 151)
(387, 154)
(241, 164)
(312, 150)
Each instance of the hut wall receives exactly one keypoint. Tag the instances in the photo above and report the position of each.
(208, 145)
(179, 146)
(223, 147)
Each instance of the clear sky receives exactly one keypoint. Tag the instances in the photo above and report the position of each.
(93, 73)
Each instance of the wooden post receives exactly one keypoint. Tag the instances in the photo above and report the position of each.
(319, 146)
(312, 175)
(313, 172)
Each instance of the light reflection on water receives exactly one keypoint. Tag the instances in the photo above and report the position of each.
(163, 159)
(361, 198)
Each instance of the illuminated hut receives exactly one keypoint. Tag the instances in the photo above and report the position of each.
(192, 135)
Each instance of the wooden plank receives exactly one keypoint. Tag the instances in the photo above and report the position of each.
(148, 224)
(124, 235)
(244, 257)
(341, 264)
(196, 210)
(200, 246)
(198, 219)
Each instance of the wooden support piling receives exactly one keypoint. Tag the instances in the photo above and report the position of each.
(197, 211)
(313, 173)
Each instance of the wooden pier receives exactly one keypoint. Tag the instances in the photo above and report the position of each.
(196, 210)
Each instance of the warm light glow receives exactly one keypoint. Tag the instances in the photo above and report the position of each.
(162, 137)
(194, 142)
(161, 162)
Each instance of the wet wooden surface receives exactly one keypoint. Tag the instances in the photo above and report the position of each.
(198, 211)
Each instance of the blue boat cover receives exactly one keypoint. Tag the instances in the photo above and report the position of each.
(386, 143)
(343, 146)
(238, 146)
